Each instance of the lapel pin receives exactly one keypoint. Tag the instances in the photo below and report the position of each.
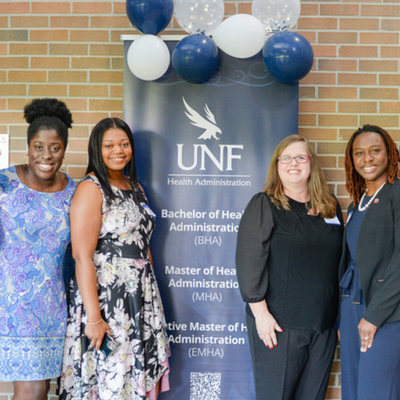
(376, 201)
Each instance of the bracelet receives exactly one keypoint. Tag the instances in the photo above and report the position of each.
(94, 323)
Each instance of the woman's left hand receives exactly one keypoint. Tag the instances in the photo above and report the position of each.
(367, 333)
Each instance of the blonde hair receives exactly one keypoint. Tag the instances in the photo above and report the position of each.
(320, 198)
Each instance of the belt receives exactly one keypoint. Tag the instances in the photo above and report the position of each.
(350, 284)
(125, 251)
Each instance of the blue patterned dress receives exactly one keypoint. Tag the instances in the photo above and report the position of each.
(34, 235)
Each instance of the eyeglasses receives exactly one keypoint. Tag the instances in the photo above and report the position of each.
(299, 159)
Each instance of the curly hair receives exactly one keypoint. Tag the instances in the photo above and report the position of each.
(320, 198)
(355, 183)
(48, 114)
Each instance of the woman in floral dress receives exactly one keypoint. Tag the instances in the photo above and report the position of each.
(34, 236)
(114, 291)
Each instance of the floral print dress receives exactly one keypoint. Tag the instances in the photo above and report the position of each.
(131, 305)
(34, 236)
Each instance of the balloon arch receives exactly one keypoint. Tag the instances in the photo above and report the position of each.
(288, 56)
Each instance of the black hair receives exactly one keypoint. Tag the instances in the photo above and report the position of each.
(96, 163)
(355, 183)
(48, 114)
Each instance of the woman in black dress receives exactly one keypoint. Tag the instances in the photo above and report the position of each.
(287, 259)
(114, 291)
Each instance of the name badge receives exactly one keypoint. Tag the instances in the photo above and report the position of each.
(332, 221)
(349, 216)
(149, 210)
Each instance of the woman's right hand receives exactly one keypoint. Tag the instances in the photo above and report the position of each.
(86, 217)
(266, 328)
(96, 332)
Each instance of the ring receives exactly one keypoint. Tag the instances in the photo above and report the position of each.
(366, 338)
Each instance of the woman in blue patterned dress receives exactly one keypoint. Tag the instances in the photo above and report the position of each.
(34, 235)
(114, 291)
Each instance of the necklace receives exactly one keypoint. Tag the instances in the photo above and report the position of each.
(122, 184)
(361, 209)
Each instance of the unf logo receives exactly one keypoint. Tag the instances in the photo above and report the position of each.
(223, 160)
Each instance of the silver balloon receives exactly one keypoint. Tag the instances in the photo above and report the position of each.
(199, 16)
(276, 15)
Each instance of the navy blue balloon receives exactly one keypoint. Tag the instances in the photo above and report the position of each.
(195, 58)
(150, 16)
(288, 56)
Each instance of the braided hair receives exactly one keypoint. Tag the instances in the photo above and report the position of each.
(355, 183)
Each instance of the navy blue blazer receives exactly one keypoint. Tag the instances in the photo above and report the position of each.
(378, 256)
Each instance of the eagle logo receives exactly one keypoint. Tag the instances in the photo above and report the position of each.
(209, 125)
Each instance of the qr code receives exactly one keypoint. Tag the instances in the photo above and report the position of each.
(205, 386)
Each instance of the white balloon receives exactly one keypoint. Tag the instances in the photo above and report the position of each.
(276, 15)
(240, 36)
(148, 58)
(199, 16)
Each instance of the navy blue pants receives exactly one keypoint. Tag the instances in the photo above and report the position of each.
(375, 374)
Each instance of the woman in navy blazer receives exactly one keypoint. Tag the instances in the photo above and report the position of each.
(370, 269)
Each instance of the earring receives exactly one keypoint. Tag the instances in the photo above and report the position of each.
(25, 162)
(64, 166)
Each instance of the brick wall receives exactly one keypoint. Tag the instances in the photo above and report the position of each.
(72, 50)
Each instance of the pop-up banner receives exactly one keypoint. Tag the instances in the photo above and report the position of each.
(202, 151)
